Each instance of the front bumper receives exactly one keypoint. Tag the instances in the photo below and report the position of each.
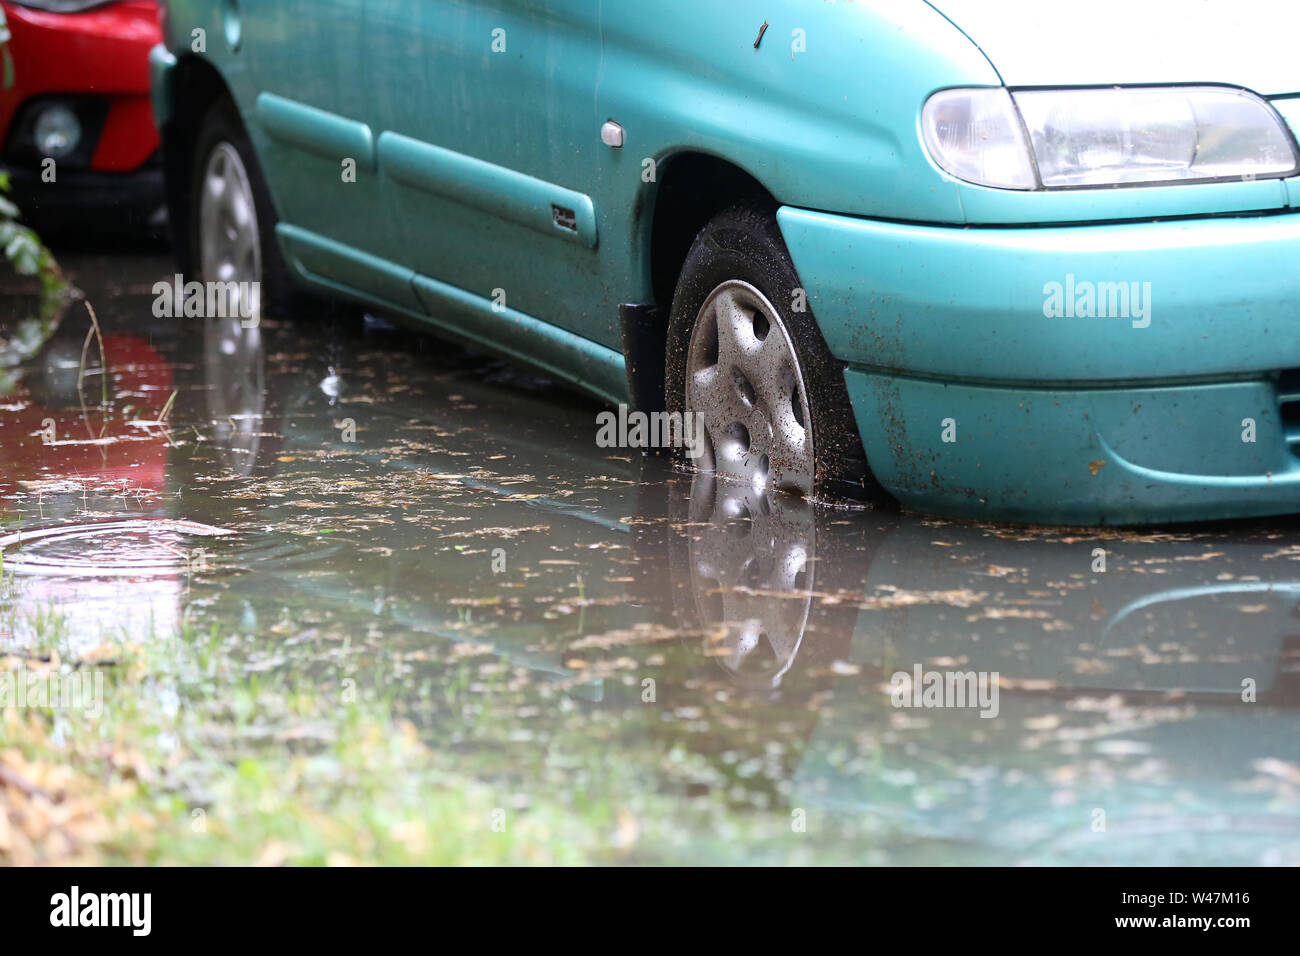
(93, 202)
(100, 54)
(976, 395)
(1078, 456)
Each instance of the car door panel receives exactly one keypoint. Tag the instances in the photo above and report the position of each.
(318, 156)
(488, 144)
(551, 210)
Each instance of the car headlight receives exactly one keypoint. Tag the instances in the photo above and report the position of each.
(1129, 136)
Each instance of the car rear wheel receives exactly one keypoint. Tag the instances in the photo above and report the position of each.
(745, 356)
(233, 219)
(230, 248)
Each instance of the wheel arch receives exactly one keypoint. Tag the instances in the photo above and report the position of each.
(691, 187)
(194, 85)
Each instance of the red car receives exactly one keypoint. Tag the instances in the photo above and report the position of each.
(80, 96)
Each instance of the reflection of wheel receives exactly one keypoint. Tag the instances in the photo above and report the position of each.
(746, 356)
(772, 582)
(233, 218)
(751, 567)
(54, 383)
(236, 390)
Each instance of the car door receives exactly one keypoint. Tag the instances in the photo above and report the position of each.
(317, 154)
(488, 144)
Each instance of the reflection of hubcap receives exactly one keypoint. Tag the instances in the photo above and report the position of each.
(743, 378)
(230, 249)
(236, 390)
(751, 564)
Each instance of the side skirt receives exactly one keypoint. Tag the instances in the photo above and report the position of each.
(468, 318)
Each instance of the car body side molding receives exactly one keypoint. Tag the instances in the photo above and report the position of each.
(316, 131)
(545, 207)
(462, 315)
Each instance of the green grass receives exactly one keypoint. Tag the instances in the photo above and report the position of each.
(249, 770)
(202, 757)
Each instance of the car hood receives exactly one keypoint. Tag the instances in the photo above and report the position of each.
(1249, 43)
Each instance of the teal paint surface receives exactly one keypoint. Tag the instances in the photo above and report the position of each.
(492, 189)
(985, 206)
(510, 84)
(161, 66)
(592, 367)
(315, 130)
(1086, 456)
(471, 319)
(319, 256)
(1222, 295)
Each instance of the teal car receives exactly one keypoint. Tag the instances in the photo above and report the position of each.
(1018, 261)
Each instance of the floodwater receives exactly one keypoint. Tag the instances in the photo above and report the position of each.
(372, 504)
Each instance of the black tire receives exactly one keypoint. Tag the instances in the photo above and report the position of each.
(282, 297)
(744, 243)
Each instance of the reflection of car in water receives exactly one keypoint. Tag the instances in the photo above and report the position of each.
(62, 451)
(125, 448)
(1121, 689)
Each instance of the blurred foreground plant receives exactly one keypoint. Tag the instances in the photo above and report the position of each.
(28, 317)
(21, 333)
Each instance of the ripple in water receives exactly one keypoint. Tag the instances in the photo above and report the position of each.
(144, 548)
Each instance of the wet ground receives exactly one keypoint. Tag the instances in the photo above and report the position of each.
(367, 507)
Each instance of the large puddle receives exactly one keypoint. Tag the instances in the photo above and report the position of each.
(363, 502)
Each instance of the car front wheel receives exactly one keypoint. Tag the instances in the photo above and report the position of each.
(746, 357)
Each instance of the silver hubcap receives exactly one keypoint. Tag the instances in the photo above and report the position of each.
(743, 378)
(230, 249)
